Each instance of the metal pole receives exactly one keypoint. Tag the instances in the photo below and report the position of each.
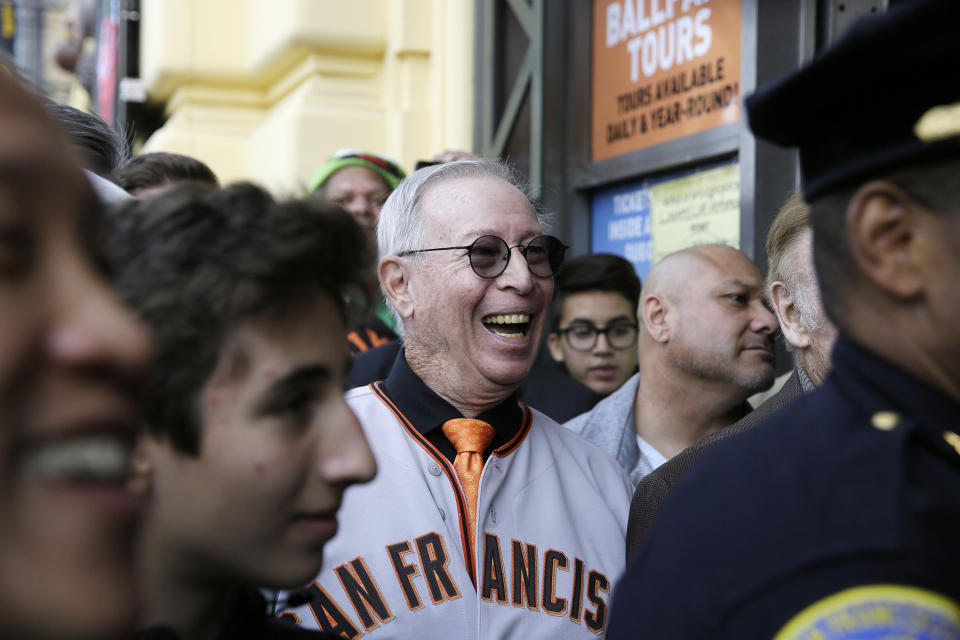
(28, 47)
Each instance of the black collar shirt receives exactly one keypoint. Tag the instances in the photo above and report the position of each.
(427, 411)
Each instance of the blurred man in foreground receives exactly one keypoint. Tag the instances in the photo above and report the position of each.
(71, 359)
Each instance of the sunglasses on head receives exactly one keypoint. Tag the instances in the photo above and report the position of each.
(490, 255)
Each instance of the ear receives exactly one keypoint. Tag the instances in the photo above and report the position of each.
(553, 343)
(394, 274)
(653, 314)
(142, 465)
(887, 238)
(791, 322)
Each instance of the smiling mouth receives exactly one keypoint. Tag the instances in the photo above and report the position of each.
(508, 325)
(101, 459)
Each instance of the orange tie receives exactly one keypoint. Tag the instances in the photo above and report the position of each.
(470, 438)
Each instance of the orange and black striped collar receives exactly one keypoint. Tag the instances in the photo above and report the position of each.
(427, 411)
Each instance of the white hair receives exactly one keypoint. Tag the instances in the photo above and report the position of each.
(800, 280)
(400, 227)
(804, 298)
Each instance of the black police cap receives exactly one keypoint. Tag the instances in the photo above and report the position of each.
(856, 109)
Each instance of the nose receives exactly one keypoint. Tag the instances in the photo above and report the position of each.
(603, 344)
(374, 215)
(362, 210)
(344, 456)
(517, 274)
(90, 327)
(763, 319)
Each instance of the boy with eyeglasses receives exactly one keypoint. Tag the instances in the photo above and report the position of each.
(594, 318)
(705, 345)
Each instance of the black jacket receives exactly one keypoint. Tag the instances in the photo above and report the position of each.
(655, 487)
(247, 619)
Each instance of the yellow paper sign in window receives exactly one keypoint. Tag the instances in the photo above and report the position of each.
(702, 208)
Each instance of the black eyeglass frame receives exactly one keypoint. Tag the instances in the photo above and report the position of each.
(522, 247)
(596, 335)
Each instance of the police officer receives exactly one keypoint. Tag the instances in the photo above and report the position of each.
(839, 518)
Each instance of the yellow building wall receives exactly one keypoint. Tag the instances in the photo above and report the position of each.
(265, 90)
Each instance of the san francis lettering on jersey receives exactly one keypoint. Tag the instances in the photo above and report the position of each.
(513, 574)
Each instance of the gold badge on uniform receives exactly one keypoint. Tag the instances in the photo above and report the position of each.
(885, 420)
(881, 612)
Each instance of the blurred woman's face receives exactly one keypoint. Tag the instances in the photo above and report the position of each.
(68, 356)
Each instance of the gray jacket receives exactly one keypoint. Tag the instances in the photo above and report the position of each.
(610, 426)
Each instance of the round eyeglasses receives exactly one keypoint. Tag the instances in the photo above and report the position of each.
(490, 255)
(583, 337)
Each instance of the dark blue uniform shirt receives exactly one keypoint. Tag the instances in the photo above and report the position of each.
(852, 491)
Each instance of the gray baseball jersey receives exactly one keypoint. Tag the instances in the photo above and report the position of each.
(550, 531)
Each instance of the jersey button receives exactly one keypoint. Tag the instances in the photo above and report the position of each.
(952, 439)
(433, 469)
(443, 514)
(885, 420)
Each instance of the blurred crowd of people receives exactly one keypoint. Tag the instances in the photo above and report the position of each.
(394, 407)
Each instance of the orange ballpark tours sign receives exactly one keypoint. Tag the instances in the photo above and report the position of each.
(662, 69)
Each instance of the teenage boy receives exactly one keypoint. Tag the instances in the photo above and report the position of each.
(250, 443)
(594, 316)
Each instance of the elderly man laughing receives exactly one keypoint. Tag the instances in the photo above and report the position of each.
(487, 519)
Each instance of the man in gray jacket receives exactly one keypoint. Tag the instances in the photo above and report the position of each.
(705, 345)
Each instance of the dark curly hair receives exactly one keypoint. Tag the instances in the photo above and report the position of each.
(596, 272)
(149, 170)
(196, 262)
(101, 148)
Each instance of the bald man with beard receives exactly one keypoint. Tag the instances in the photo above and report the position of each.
(807, 333)
(705, 346)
